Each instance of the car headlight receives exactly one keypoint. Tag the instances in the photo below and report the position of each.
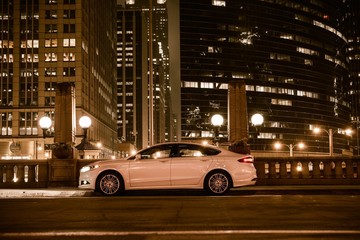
(88, 168)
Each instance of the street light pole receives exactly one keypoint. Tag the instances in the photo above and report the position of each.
(331, 146)
(290, 146)
(217, 120)
(331, 134)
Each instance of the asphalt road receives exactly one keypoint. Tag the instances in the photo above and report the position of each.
(182, 216)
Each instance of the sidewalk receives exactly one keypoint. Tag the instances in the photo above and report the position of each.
(44, 192)
(250, 190)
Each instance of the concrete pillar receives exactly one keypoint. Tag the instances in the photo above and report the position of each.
(237, 111)
(65, 119)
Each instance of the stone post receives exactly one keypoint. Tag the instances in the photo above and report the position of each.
(62, 167)
(237, 111)
(65, 113)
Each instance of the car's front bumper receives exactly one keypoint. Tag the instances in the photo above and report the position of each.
(87, 181)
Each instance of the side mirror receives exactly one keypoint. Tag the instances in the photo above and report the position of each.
(137, 156)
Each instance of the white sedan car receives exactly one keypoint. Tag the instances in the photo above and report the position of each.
(171, 166)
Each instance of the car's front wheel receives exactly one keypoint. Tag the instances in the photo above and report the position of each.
(110, 183)
(218, 182)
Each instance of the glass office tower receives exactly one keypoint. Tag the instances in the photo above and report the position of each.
(292, 56)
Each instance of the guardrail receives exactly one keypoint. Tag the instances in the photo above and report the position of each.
(270, 171)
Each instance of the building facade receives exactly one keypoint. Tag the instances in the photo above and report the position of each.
(146, 98)
(352, 32)
(47, 42)
(292, 56)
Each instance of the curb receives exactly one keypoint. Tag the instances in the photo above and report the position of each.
(250, 190)
(37, 193)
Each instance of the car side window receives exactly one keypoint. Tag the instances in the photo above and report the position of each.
(190, 151)
(156, 152)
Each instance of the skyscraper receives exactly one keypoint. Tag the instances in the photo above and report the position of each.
(292, 56)
(352, 32)
(146, 92)
(47, 42)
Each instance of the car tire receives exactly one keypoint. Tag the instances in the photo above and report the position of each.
(110, 183)
(218, 182)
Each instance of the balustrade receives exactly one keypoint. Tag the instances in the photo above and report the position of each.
(270, 171)
(319, 170)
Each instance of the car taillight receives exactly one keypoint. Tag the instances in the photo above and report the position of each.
(246, 159)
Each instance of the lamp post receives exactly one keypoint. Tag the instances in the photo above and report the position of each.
(331, 133)
(291, 147)
(86, 147)
(257, 120)
(45, 123)
(217, 120)
(85, 123)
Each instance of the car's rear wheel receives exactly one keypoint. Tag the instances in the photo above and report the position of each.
(218, 182)
(110, 183)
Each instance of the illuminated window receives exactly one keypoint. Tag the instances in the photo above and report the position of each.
(220, 3)
(50, 42)
(28, 123)
(50, 57)
(283, 102)
(308, 62)
(250, 88)
(29, 58)
(29, 44)
(278, 56)
(69, 57)
(307, 51)
(6, 124)
(206, 85)
(69, 42)
(6, 44)
(190, 84)
(50, 2)
(224, 86)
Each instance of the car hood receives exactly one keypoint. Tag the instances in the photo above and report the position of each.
(109, 161)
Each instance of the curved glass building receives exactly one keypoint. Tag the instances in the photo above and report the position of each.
(290, 54)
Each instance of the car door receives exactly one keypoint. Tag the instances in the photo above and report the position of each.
(189, 165)
(151, 168)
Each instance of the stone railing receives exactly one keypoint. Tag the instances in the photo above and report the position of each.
(23, 173)
(270, 171)
(307, 170)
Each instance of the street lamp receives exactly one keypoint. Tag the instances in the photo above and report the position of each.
(331, 133)
(257, 120)
(291, 147)
(85, 123)
(217, 120)
(45, 123)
